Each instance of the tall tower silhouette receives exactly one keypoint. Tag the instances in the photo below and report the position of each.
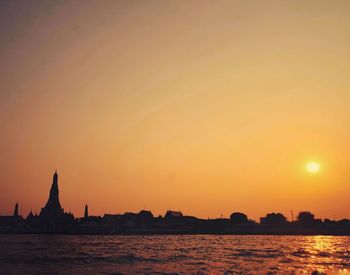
(86, 212)
(15, 213)
(53, 209)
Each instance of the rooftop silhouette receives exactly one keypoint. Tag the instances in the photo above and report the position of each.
(53, 219)
(53, 209)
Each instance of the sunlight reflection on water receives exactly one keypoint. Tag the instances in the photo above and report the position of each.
(325, 253)
(199, 254)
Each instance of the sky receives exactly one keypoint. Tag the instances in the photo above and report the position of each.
(207, 107)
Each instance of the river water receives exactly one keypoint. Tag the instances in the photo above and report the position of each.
(173, 254)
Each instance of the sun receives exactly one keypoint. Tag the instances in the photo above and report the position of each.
(313, 167)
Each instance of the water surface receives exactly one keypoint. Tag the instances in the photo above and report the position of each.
(174, 254)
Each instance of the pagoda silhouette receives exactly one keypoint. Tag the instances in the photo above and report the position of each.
(53, 212)
(53, 220)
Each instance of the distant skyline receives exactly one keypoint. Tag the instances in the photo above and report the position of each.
(199, 106)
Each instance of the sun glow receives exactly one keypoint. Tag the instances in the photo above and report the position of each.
(313, 167)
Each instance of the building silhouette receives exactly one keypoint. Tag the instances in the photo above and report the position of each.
(53, 219)
(12, 221)
(15, 212)
(53, 209)
(170, 214)
(86, 212)
(53, 215)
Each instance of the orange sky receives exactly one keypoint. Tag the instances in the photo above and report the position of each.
(207, 107)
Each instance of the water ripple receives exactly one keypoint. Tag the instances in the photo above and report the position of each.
(174, 254)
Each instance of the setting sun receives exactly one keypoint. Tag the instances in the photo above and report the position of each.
(221, 125)
(313, 167)
(206, 107)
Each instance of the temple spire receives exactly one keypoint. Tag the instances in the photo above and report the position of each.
(53, 207)
(54, 193)
(55, 178)
(15, 213)
(86, 212)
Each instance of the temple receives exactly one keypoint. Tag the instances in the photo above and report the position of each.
(53, 219)
(86, 212)
(15, 213)
(53, 209)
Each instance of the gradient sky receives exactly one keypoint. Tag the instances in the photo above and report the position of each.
(207, 107)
